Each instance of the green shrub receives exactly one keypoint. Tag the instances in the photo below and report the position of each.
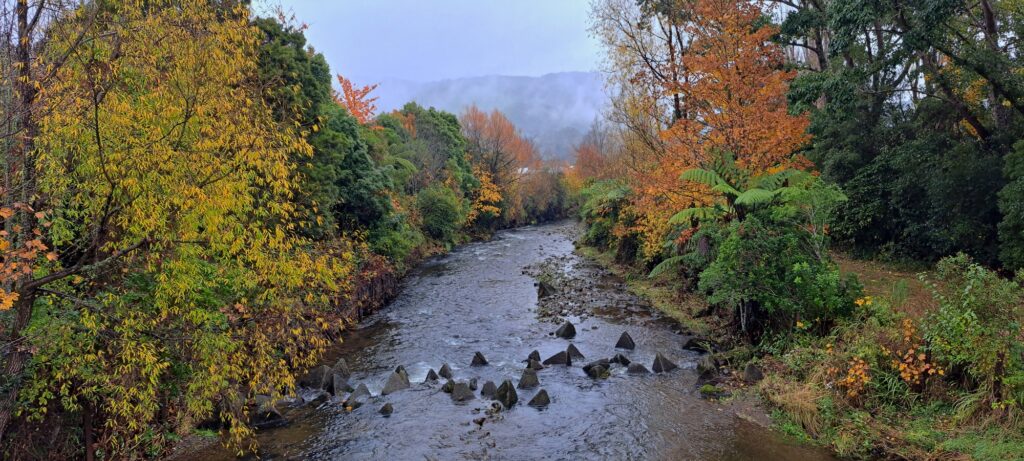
(441, 211)
(396, 239)
(977, 329)
(768, 274)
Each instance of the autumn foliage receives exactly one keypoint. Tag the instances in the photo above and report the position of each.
(357, 100)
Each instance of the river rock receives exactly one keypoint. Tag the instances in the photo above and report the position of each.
(396, 382)
(488, 390)
(358, 397)
(534, 365)
(401, 372)
(528, 380)
(448, 386)
(267, 415)
(625, 342)
(662, 364)
(544, 289)
(317, 378)
(386, 410)
(621, 360)
(567, 331)
(431, 376)
(478, 360)
(540, 400)
(462, 393)
(597, 371)
(597, 368)
(637, 368)
(573, 352)
(445, 371)
(699, 344)
(339, 385)
(506, 394)
(707, 367)
(473, 384)
(752, 374)
(341, 367)
(535, 355)
(561, 358)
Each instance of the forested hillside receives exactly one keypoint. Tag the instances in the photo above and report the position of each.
(191, 214)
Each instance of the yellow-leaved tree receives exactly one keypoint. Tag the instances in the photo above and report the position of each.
(182, 290)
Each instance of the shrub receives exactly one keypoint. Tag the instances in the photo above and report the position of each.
(441, 212)
(977, 329)
(767, 272)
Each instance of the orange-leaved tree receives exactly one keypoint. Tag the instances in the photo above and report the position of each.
(357, 100)
(738, 93)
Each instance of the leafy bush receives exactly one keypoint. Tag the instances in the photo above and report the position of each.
(396, 239)
(977, 329)
(766, 271)
(441, 212)
(601, 204)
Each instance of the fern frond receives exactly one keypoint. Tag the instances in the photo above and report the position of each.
(755, 197)
(702, 176)
(698, 213)
(664, 266)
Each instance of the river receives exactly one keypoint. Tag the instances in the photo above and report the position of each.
(480, 297)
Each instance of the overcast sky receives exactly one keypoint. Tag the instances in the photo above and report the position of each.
(425, 40)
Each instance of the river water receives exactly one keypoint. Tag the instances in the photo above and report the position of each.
(480, 298)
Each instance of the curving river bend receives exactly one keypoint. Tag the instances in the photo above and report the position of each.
(479, 298)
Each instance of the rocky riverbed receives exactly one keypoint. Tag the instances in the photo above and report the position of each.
(514, 349)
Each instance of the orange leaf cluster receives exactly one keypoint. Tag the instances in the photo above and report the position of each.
(357, 100)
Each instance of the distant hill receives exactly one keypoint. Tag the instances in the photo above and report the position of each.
(555, 110)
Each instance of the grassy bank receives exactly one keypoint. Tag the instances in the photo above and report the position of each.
(842, 390)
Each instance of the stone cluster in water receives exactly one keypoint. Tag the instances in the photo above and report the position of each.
(335, 380)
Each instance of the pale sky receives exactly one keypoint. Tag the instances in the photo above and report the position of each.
(425, 40)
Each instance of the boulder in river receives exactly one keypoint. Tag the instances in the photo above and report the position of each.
(621, 360)
(445, 371)
(544, 289)
(506, 394)
(358, 397)
(386, 410)
(535, 355)
(489, 389)
(317, 378)
(396, 382)
(535, 365)
(573, 352)
(431, 376)
(478, 360)
(341, 367)
(561, 358)
(752, 374)
(597, 369)
(448, 386)
(401, 372)
(339, 385)
(625, 342)
(662, 364)
(636, 368)
(462, 393)
(528, 380)
(540, 400)
(567, 331)
(473, 384)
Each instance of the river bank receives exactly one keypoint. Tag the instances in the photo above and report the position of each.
(918, 427)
